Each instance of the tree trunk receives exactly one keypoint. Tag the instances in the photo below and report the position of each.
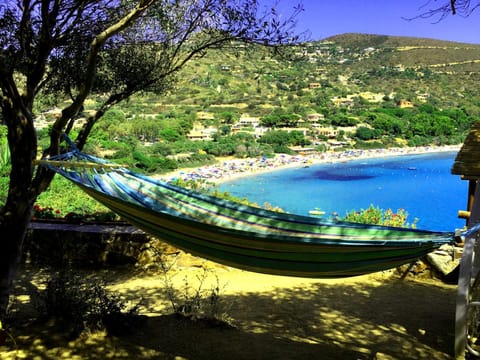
(16, 214)
(13, 229)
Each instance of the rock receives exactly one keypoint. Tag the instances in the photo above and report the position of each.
(444, 260)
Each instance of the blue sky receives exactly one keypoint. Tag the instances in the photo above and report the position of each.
(324, 18)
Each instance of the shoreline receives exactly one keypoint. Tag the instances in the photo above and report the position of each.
(228, 169)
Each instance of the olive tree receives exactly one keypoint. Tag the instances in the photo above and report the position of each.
(75, 48)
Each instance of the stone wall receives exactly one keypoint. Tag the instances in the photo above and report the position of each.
(91, 245)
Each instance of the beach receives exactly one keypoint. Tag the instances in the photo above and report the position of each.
(227, 169)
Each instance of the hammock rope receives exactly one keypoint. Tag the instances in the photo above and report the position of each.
(243, 236)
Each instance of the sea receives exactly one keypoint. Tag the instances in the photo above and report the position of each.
(421, 184)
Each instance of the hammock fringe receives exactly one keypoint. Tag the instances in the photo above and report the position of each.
(76, 164)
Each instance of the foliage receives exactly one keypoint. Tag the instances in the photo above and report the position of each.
(283, 138)
(194, 300)
(280, 120)
(44, 213)
(371, 144)
(49, 213)
(4, 183)
(65, 197)
(210, 189)
(46, 59)
(376, 216)
(83, 304)
(366, 133)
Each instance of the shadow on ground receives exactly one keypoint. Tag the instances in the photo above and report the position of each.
(387, 319)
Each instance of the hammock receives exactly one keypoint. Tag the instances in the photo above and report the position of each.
(242, 236)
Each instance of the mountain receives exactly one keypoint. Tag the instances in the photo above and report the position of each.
(410, 51)
(357, 39)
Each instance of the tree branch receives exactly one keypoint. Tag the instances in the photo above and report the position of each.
(97, 43)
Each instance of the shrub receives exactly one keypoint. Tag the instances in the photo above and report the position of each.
(195, 301)
(376, 216)
(65, 196)
(83, 305)
(48, 212)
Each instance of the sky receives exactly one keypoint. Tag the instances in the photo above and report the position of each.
(324, 18)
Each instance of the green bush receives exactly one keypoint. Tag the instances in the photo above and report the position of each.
(63, 197)
(376, 216)
(4, 181)
(141, 160)
(281, 149)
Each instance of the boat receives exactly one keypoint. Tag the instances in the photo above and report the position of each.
(316, 212)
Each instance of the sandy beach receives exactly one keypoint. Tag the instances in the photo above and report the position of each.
(232, 168)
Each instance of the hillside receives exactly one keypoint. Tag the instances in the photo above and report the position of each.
(348, 91)
(364, 40)
(445, 72)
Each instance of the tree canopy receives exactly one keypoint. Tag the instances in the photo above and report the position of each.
(69, 48)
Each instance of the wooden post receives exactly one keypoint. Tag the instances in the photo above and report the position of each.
(472, 184)
(469, 270)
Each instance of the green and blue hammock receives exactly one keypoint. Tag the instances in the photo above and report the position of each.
(243, 236)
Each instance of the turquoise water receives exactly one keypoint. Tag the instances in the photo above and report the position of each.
(420, 184)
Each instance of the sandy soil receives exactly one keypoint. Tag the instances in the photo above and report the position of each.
(379, 316)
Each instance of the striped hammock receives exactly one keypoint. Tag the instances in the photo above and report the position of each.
(243, 236)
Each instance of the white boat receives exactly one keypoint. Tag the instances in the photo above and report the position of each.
(316, 212)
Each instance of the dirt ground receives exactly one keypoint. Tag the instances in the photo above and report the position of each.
(379, 316)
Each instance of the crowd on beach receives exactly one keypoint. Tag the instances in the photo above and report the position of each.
(234, 168)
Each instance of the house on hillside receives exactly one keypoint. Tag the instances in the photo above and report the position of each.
(329, 132)
(204, 115)
(423, 97)
(372, 97)
(201, 133)
(250, 124)
(248, 121)
(315, 117)
(342, 102)
(303, 150)
(405, 104)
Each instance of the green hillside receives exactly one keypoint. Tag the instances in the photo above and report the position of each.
(446, 72)
(364, 90)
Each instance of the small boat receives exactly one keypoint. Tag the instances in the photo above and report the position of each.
(316, 212)
(412, 168)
